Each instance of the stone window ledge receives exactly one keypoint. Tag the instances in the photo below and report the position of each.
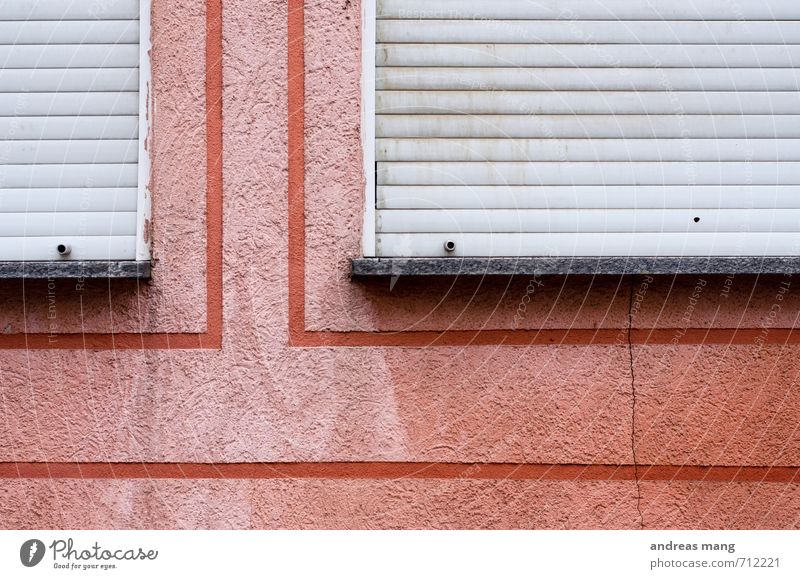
(75, 269)
(477, 266)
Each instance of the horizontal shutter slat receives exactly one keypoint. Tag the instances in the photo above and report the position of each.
(77, 175)
(589, 79)
(69, 151)
(587, 196)
(97, 247)
(61, 104)
(577, 103)
(64, 199)
(587, 150)
(589, 9)
(69, 56)
(579, 55)
(587, 220)
(583, 31)
(67, 223)
(73, 127)
(68, 10)
(70, 32)
(588, 126)
(69, 80)
(587, 173)
(589, 244)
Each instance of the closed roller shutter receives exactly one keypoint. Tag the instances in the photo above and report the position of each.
(69, 130)
(587, 128)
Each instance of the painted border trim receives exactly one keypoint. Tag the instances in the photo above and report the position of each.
(399, 470)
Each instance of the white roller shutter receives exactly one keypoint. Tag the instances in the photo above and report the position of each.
(584, 128)
(72, 167)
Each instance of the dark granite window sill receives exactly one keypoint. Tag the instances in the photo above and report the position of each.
(477, 266)
(75, 269)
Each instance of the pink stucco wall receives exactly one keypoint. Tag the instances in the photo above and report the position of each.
(259, 399)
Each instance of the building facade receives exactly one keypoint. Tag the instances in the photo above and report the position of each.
(253, 382)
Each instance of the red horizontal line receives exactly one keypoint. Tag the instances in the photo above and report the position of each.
(639, 336)
(396, 470)
(121, 341)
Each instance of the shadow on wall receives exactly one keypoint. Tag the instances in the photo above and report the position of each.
(582, 302)
(57, 306)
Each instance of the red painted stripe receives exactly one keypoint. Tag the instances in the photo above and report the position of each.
(397, 470)
(297, 171)
(214, 171)
(565, 337)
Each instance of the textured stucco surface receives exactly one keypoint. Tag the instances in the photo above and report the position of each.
(318, 503)
(705, 505)
(721, 405)
(360, 504)
(259, 399)
(480, 404)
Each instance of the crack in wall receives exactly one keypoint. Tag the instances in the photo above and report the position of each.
(633, 408)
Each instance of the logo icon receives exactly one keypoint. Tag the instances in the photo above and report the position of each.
(32, 552)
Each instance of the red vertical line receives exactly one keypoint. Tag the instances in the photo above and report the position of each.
(296, 194)
(214, 183)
